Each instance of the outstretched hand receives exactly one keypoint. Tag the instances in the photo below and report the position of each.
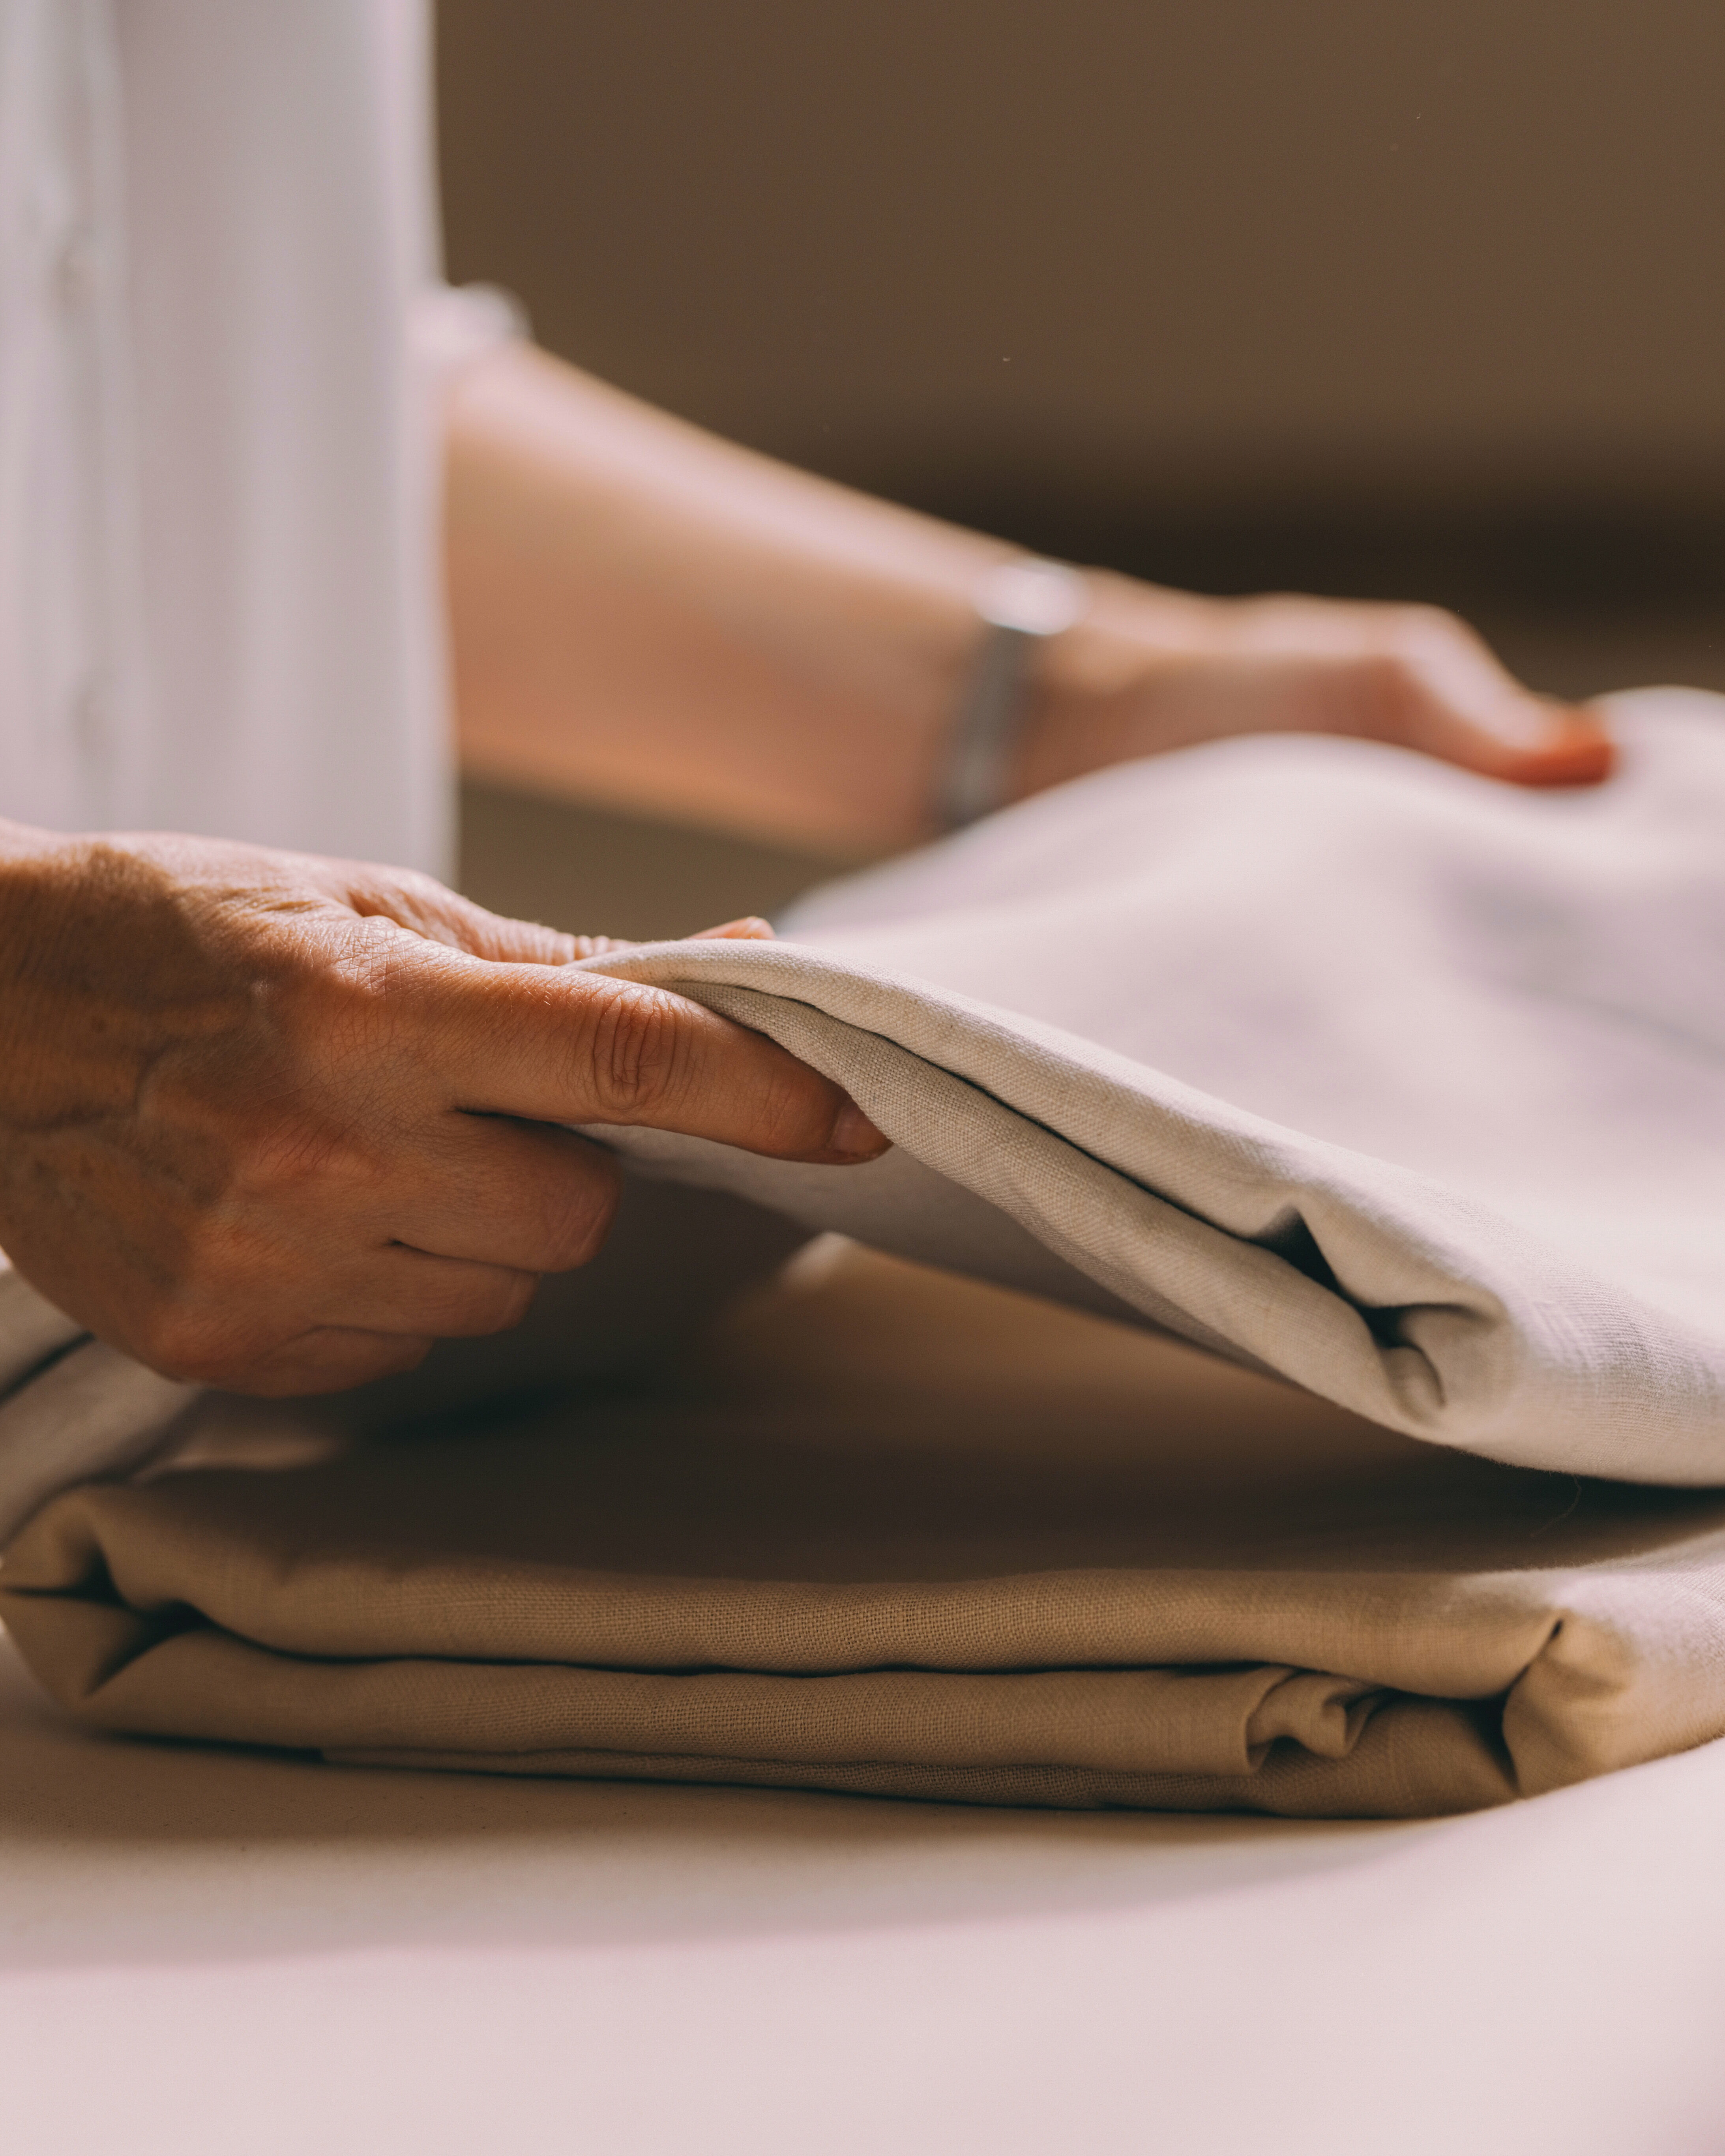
(277, 1122)
(1150, 669)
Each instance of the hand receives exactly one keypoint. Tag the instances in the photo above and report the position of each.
(1148, 670)
(276, 1123)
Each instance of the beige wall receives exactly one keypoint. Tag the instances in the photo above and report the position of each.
(1228, 249)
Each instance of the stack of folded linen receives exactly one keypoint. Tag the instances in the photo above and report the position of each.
(1340, 1066)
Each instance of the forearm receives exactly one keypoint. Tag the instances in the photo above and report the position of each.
(646, 614)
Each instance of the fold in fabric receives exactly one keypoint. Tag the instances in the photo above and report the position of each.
(71, 1408)
(989, 1581)
(1402, 1084)
(1346, 1068)
(1399, 1083)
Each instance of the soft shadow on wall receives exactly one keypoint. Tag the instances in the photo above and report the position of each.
(1423, 301)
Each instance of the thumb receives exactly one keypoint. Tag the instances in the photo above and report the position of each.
(580, 1048)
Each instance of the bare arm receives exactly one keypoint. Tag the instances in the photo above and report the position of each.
(645, 614)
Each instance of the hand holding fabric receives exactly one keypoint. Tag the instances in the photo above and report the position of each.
(1149, 670)
(277, 1122)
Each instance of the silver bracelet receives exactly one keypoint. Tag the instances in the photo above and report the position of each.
(1020, 603)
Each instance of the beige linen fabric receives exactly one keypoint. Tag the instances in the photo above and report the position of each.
(70, 1406)
(907, 1536)
(1399, 1083)
(1403, 1084)
(1341, 1065)
(73, 1409)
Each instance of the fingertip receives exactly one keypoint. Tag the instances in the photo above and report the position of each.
(854, 1137)
(1574, 748)
(751, 928)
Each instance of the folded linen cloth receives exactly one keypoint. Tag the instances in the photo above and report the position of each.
(1341, 1065)
(71, 1408)
(1401, 1083)
(907, 1535)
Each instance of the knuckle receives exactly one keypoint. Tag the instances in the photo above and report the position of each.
(461, 1301)
(793, 1110)
(635, 1046)
(516, 1301)
(295, 1155)
(409, 900)
(370, 950)
(342, 992)
(190, 1342)
(580, 1208)
(392, 1357)
(324, 1361)
(497, 1307)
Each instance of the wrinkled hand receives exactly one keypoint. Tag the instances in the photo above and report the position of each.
(277, 1122)
(1148, 670)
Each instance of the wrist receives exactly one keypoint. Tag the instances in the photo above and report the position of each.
(1093, 689)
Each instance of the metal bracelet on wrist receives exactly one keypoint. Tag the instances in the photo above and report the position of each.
(1020, 605)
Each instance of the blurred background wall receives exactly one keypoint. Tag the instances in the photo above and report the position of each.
(1394, 297)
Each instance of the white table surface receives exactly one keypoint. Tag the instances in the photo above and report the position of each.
(204, 1951)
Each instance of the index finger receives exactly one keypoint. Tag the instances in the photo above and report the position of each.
(554, 1044)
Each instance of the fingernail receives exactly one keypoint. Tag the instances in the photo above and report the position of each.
(854, 1135)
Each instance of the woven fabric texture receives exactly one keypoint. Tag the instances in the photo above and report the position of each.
(1345, 1068)
(1400, 1083)
(910, 1538)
